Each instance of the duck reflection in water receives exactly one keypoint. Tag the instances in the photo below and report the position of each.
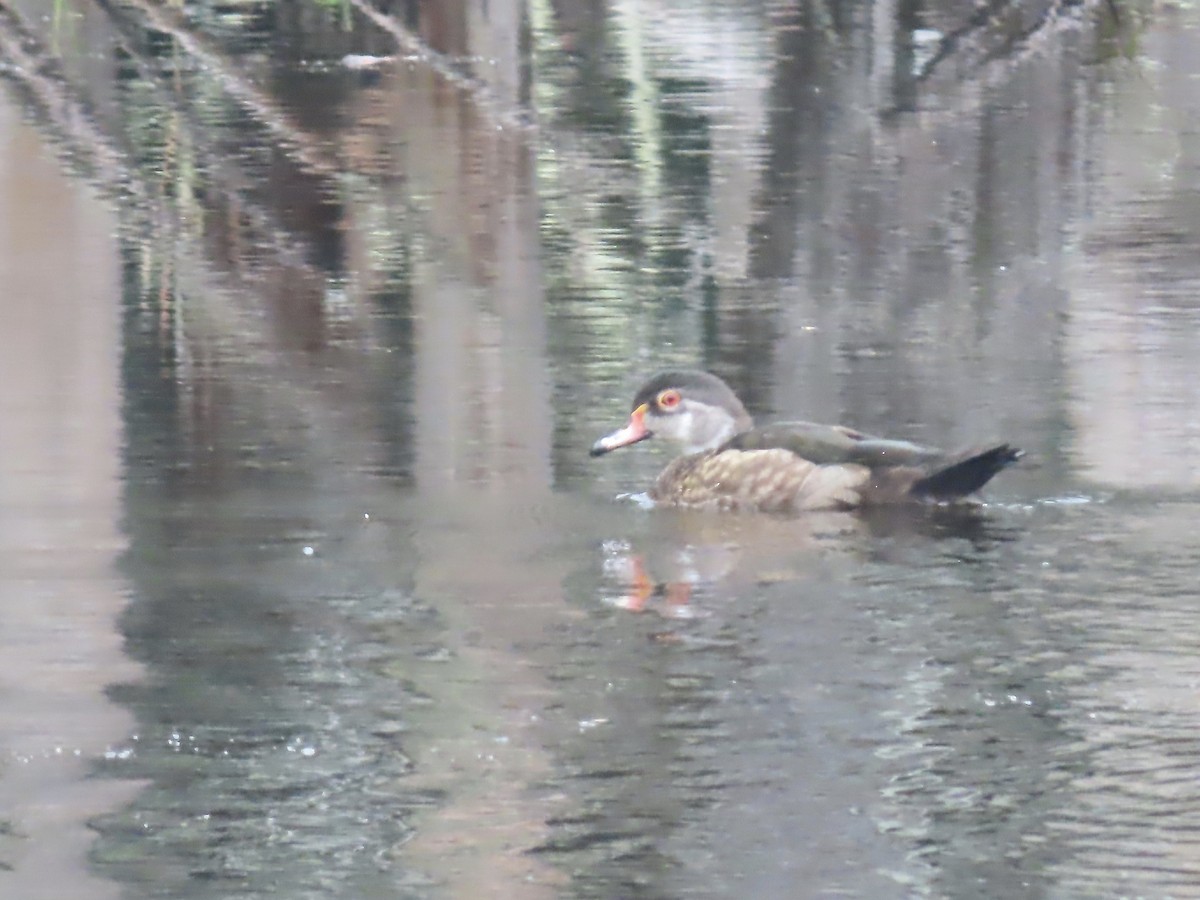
(691, 554)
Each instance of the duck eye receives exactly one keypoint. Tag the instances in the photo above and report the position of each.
(668, 399)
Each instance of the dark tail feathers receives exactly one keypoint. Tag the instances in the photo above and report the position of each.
(965, 476)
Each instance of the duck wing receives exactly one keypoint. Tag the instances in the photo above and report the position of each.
(835, 445)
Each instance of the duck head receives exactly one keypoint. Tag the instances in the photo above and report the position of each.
(693, 409)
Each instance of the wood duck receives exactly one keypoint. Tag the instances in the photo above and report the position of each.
(789, 466)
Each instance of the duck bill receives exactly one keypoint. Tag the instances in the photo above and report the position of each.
(633, 432)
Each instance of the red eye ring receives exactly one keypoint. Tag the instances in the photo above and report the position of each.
(668, 399)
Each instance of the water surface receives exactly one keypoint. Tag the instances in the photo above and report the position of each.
(310, 588)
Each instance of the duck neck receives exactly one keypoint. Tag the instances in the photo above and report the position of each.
(716, 434)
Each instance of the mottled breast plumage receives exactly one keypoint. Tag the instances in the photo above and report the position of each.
(768, 480)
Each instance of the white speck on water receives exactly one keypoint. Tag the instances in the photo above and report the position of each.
(309, 551)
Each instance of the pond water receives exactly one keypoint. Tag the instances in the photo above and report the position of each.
(309, 588)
